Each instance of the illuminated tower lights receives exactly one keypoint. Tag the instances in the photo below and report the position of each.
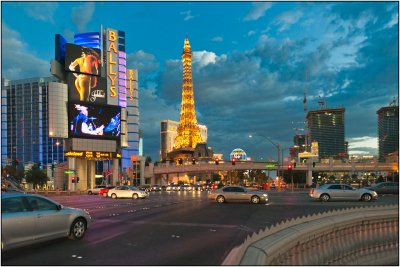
(188, 133)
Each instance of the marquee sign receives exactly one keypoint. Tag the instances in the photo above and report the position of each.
(92, 154)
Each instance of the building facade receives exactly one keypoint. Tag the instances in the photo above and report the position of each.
(168, 134)
(388, 131)
(326, 126)
(24, 123)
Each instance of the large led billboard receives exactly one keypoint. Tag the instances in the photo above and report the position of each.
(94, 121)
(87, 88)
(81, 59)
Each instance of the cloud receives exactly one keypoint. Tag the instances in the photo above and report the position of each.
(20, 62)
(82, 14)
(143, 62)
(217, 39)
(203, 58)
(393, 21)
(258, 10)
(43, 11)
(187, 14)
(285, 20)
(251, 33)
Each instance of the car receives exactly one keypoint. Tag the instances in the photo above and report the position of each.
(155, 187)
(237, 193)
(27, 219)
(104, 191)
(385, 188)
(95, 190)
(329, 192)
(144, 187)
(126, 191)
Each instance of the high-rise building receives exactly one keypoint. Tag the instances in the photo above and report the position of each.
(168, 134)
(388, 131)
(326, 126)
(188, 133)
(24, 123)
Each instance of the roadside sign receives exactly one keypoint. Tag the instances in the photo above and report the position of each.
(69, 171)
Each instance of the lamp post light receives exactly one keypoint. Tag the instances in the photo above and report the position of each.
(277, 147)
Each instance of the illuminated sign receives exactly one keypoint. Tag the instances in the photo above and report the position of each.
(131, 79)
(112, 57)
(69, 171)
(81, 59)
(97, 92)
(92, 155)
(94, 121)
(270, 166)
(116, 67)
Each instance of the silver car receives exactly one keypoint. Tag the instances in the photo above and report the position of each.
(127, 192)
(237, 193)
(95, 190)
(27, 219)
(328, 192)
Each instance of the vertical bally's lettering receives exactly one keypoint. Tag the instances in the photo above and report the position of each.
(131, 84)
(112, 74)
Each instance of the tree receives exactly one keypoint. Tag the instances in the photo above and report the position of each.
(148, 161)
(36, 176)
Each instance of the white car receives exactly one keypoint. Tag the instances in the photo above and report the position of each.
(95, 190)
(125, 191)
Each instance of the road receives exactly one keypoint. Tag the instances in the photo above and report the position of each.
(168, 228)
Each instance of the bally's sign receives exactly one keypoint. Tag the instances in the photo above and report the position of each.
(116, 69)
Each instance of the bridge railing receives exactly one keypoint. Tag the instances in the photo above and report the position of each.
(356, 236)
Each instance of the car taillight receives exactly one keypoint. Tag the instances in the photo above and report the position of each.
(312, 191)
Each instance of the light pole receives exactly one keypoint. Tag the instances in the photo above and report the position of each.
(278, 147)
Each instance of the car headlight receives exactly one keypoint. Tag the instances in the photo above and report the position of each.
(265, 195)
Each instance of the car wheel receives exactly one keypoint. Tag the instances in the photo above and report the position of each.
(366, 197)
(78, 229)
(90, 192)
(135, 196)
(255, 199)
(220, 199)
(104, 194)
(114, 196)
(324, 197)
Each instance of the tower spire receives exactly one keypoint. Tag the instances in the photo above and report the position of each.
(188, 133)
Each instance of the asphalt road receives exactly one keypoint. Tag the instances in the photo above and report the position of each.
(168, 228)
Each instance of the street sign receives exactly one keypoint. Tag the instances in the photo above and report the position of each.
(69, 171)
(270, 166)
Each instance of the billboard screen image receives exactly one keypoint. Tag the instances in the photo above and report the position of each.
(94, 121)
(88, 88)
(81, 59)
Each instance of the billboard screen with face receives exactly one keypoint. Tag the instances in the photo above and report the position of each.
(82, 59)
(94, 121)
(87, 88)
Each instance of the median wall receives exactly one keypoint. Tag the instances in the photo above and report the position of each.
(354, 236)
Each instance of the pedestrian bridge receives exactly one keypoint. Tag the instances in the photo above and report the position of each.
(206, 167)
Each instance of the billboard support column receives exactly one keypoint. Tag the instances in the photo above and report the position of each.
(71, 166)
(115, 171)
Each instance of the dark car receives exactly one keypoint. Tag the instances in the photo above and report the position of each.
(385, 188)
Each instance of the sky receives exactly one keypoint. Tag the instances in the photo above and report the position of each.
(252, 63)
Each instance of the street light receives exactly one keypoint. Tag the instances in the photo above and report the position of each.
(277, 147)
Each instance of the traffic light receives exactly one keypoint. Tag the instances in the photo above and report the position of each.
(193, 161)
(313, 164)
(39, 165)
(77, 179)
(289, 167)
(216, 161)
(294, 164)
(180, 161)
(52, 167)
(233, 161)
(73, 180)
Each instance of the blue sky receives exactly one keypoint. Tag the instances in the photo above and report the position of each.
(249, 62)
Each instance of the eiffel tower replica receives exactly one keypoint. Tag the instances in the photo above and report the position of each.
(188, 132)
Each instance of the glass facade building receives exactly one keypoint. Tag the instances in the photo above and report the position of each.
(388, 131)
(24, 123)
(326, 126)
